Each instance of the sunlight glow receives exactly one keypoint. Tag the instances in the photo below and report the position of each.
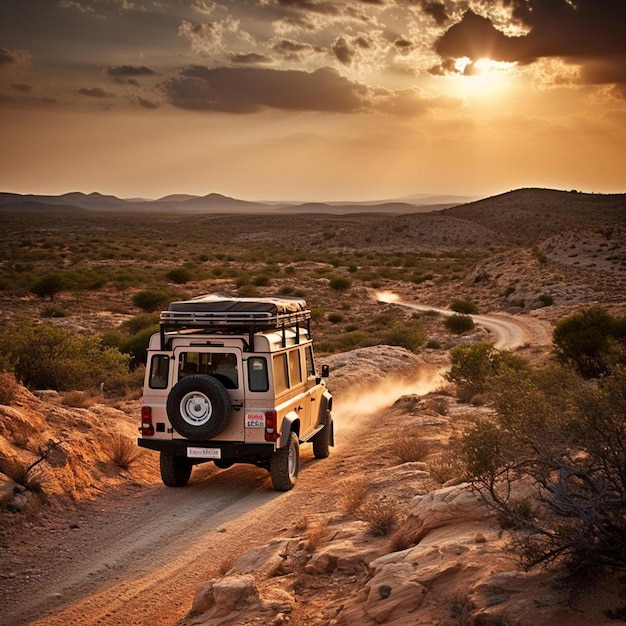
(483, 77)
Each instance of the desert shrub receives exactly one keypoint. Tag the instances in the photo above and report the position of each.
(446, 467)
(262, 280)
(407, 334)
(585, 340)
(52, 312)
(339, 283)
(380, 513)
(410, 445)
(179, 275)
(566, 443)
(8, 388)
(466, 307)
(546, 299)
(140, 322)
(77, 399)
(459, 323)
(335, 318)
(49, 285)
(151, 300)
(137, 345)
(122, 450)
(473, 366)
(44, 356)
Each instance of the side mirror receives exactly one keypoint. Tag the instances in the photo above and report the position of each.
(325, 371)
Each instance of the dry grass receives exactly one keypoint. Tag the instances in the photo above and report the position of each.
(122, 450)
(445, 468)
(381, 514)
(352, 493)
(410, 446)
(315, 530)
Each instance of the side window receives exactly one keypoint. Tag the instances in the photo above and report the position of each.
(159, 371)
(257, 374)
(279, 365)
(295, 369)
(310, 363)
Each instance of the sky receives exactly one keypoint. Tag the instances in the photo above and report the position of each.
(312, 100)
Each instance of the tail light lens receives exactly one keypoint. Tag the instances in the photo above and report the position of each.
(146, 429)
(271, 432)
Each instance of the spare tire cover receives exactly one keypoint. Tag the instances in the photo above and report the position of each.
(198, 407)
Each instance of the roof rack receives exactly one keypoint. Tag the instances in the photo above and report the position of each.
(223, 314)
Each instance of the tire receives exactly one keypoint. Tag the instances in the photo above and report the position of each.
(198, 407)
(175, 470)
(321, 441)
(285, 465)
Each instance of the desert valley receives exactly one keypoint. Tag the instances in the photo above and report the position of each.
(390, 529)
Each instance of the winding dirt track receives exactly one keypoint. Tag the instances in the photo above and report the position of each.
(138, 556)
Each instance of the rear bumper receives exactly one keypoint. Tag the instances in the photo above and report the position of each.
(229, 451)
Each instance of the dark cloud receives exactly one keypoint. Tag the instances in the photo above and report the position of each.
(403, 46)
(95, 92)
(293, 50)
(433, 8)
(24, 88)
(251, 58)
(314, 6)
(250, 90)
(122, 71)
(343, 51)
(589, 33)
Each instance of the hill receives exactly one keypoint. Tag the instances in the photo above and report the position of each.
(529, 215)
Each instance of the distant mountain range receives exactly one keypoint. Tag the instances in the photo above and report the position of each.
(217, 203)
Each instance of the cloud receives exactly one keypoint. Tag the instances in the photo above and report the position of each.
(587, 33)
(95, 92)
(433, 8)
(23, 87)
(250, 90)
(250, 58)
(128, 70)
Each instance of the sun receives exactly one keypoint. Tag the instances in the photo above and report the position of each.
(482, 77)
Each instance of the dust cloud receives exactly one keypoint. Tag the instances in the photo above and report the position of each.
(357, 402)
(386, 296)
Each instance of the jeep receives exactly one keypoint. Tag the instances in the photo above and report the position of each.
(233, 380)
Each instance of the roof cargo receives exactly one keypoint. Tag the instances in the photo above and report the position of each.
(219, 312)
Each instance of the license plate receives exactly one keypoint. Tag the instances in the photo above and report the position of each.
(204, 453)
(255, 420)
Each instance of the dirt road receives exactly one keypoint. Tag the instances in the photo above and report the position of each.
(138, 556)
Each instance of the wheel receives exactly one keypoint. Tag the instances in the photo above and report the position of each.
(198, 407)
(285, 464)
(175, 470)
(321, 441)
(222, 464)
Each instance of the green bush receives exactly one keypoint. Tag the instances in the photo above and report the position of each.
(339, 283)
(44, 356)
(408, 334)
(473, 366)
(49, 285)
(464, 306)
(459, 324)
(152, 299)
(566, 442)
(179, 275)
(586, 341)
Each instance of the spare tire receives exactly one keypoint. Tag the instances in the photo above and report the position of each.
(198, 407)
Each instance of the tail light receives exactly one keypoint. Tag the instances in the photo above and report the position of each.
(271, 432)
(146, 429)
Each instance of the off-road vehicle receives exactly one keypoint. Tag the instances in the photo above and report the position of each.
(233, 380)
